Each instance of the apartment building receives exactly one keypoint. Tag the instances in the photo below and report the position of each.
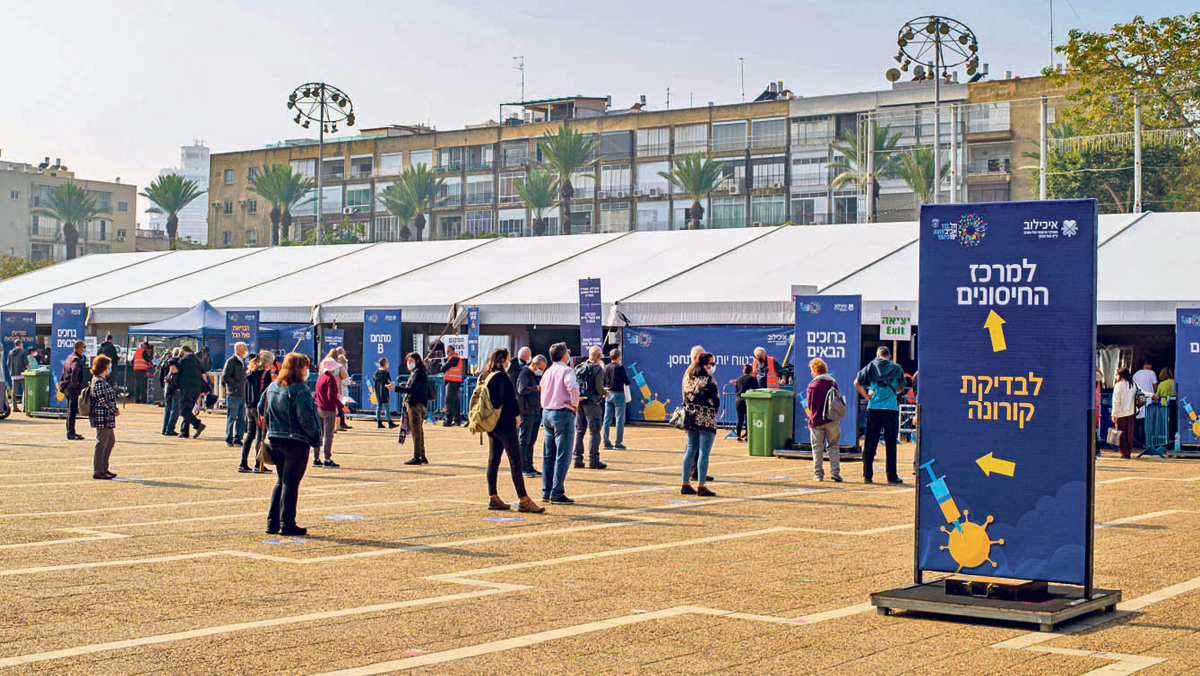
(23, 188)
(778, 156)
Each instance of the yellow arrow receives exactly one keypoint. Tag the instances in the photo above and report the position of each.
(994, 325)
(989, 464)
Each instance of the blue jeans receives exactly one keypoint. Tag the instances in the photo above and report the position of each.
(699, 445)
(527, 437)
(556, 450)
(384, 408)
(614, 408)
(170, 412)
(235, 419)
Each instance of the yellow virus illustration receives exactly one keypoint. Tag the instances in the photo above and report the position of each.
(970, 546)
(655, 409)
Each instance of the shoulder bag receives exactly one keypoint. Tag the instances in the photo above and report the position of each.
(682, 418)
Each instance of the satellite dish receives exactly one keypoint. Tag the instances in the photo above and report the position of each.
(893, 74)
(919, 72)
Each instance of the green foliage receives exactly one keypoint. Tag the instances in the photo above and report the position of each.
(72, 205)
(915, 167)
(170, 194)
(540, 192)
(695, 176)
(11, 267)
(852, 168)
(284, 188)
(482, 235)
(567, 152)
(413, 193)
(342, 233)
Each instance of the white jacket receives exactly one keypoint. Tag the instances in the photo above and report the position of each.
(1122, 400)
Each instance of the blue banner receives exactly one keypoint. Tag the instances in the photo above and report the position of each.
(591, 324)
(657, 357)
(381, 338)
(473, 336)
(1008, 338)
(292, 338)
(331, 338)
(66, 327)
(829, 327)
(17, 326)
(241, 326)
(1187, 374)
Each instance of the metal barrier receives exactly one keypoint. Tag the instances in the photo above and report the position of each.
(908, 421)
(1158, 430)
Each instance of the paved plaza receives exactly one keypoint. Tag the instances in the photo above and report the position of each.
(168, 570)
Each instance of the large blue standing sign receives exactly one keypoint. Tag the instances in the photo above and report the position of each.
(241, 326)
(473, 336)
(66, 327)
(381, 335)
(16, 326)
(1187, 374)
(1008, 336)
(330, 339)
(591, 327)
(828, 327)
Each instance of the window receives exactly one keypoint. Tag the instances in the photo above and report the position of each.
(810, 171)
(768, 209)
(812, 132)
(993, 159)
(649, 183)
(391, 164)
(989, 193)
(122, 206)
(614, 217)
(729, 136)
(845, 208)
(581, 218)
(768, 172)
(449, 159)
(616, 144)
(228, 177)
(251, 237)
(226, 238)
(541, 157)
(479, 190)
(808, 208)
(682, 213)
(102, 230)
(121, 235)
(692, 138)
(733, 173)
(334, 169)
(512, 222)
(508, 187)
(420, 157)
(103, 200)
(252, 206)
(362, 166)
(251, 173)
(654, 141)
(307, 205)
(985, 117)
(331, 199)
(307, 168)
(451, 195)
(14, 195)
(584, 184)
(728, 212)
(479, 222)
(515, 153)
(768, 133)
(480, 157)
(33, 225)
(653, 216)
(615, 179)
(359, 198)
(227, 208)
(450, 226)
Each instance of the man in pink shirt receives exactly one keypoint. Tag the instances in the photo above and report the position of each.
(560, 398)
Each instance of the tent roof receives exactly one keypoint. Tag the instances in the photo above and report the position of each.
(201, 321)
(67, 273)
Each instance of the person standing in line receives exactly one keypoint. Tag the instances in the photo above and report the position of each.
(560, 399)
(515, 366)
(292, 428)
(452, 372)
(695, 353)
(18, 363)
(702, 398)
(329, 402)
(233, 377)
(615, 381)
(143, 366)
(205, 357)
(192, 383)
(590, 377)
(880, 382)
(343, 380)
(1165, 394)
(826, 434)
(383, 391)
(1124, 411)
(745, 383)
(1147, 382)
(502, 440)
(108, 349)
(258, 379)
(70, 383)
(417, 392)
(103, 417)
(529, 400)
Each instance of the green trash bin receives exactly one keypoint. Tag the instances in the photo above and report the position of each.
(37, 389)
(769, 419)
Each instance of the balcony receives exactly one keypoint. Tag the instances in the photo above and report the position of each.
(653, 189)
(990, 167)
(809, 180)
(332, 176)
(516, 159)
(619, 192)
(768, 141)
(585, 192)
(448, 168)
(445, 201)
(480, 197)
(654, 149)
(510, 199)
(812, 142)
(480, 167)
(688, 147)
(365, 172)
(727, 145)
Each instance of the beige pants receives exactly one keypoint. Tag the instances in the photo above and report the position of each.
(328, 424)
(106, 438)
(416, 420)
(825, 439)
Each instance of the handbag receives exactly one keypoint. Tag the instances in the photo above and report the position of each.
(1114, 436)
(263, 453)
(682, 419)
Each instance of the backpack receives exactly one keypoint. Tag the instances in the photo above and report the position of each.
(835, 405)
(85, 402)
(1139, 397)
(590, 386)
(482, 416)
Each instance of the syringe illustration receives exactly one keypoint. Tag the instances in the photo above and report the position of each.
(1191, 412)
(640, 380)
(652, 409)
(942, 494)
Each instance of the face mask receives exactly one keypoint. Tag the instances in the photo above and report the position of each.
(538, 372)
(411, 366)
(710, 369)
(305, 374)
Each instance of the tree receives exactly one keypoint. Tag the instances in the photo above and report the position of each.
(852, 168)
(422, 188)
(567, 152)
(73, 206)
(11, 267)
(285, 188)
(695, 176)
(345, 232)
(540, 192)
(915, 167)
(399, 204)
(170, 194)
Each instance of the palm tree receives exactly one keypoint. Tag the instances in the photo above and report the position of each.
(915, 167)
(398, 203)
(567, 151)
(852, 168)
(695, 176)
(170, 194)
(73, 206)
(421, 187)
(540, 192)
(284, 188)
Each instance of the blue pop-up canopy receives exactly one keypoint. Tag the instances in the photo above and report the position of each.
(202, 321)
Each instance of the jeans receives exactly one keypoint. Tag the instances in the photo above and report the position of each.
(170, 412)
(453, 405)
(384, 409)
(291, 459)
(416, 429)
(18, 390)
(699, 445)
(328, 423)
(105, 440)
(504, 442)
(888, 423)
(556, 451)
(587, 421)
(527, 437)
(825, 439)
(235, 419)
(614, 409)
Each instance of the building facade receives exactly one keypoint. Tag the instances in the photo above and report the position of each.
(24, 187)
(193, 220)
(780, 164)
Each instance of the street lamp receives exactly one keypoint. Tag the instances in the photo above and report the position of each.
(950, 43)
(327, 106)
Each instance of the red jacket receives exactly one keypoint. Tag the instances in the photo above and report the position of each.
(327, 393)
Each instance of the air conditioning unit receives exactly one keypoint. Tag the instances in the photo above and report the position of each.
(601, 194)
(777, 184)
(216, 205)
(733, 190)
(347, 211)
(621, 194)
(120, 238)
(756, 224)
(654, 192)
(639, 193)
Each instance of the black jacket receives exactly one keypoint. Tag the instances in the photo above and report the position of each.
(615, 378)
(504, 398)
(417, 388)
(191, 375)
(745, 383)
(72, 378)
(515, 366)
(109, 350)
(257, 382)
(382, 393)
(529, 399)
(233, 377)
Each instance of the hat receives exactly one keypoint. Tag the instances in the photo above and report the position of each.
(330, 365)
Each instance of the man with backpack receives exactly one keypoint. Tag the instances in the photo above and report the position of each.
(590, 413)
(826, 408)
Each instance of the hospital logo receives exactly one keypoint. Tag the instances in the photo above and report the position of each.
(843, 307)
(1050, 229)
(373, 318)
(813, 308)
(1070, 228)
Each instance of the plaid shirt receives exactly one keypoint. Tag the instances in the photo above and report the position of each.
(104, 405)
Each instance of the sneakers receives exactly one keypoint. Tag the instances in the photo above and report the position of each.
(608, 446)
(392, 425)
(330, 463)
(201, 428)
(317, 463)
(293, 530)
(704, 492)
(272, 529)
(562, 500)
(687, 489)
(103, 477)
(896, 482)
(74, 437)
(532, 474)
(597, 465)
(621, 447)
(172, 433)
(413, 461)
(244, 469)
(837, 479)
(528, 506)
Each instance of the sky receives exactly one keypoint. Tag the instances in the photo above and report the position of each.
(115, 87)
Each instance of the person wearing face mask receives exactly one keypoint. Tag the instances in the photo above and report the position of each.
(417, 392)
(529, 399)
(502, 439)
(702, 397)
(383, 388)
(292, 428)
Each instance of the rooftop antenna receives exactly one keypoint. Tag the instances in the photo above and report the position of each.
(742, 65)
(521, 67)
(668, 98)
(1051, 34)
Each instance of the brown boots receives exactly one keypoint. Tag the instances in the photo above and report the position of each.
(495, 503)
(528, 505)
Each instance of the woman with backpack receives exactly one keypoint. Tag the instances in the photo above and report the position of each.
(502, 438)
(416, 391)
(701, 398)
(103, 416)
(1124, 410)
(825, 433)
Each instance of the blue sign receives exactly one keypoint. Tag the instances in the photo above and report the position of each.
(381, 338)
(656, 358)
(17, 326)
(1187, 374)
(591, 325)
(292, 338)
(66, 327)
(241, 326)
(829, 327)
(473, 336)
(1008, 338)
(330, 339)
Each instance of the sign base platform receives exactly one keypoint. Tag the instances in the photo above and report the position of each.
(1063, 603)
(49, 414)
(851, 454)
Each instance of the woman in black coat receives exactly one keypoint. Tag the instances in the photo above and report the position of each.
(258, 379)
(502, 440)
(417, 391)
